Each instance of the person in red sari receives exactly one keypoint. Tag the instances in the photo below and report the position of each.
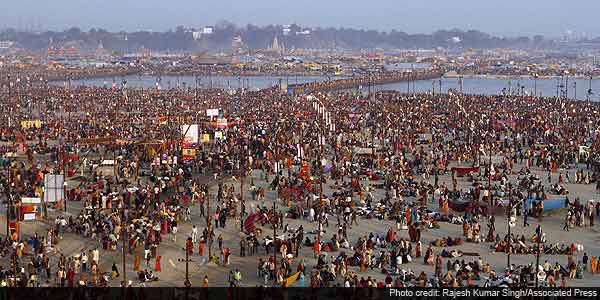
(71, 277)
(226, 254)
(157, 263)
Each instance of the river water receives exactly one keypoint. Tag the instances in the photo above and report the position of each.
(577, 88)
(226, 82)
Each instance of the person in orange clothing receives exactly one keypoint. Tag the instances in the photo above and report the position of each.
(137, 262)
(316, 248)
(592, 264)
(363, 266)
(201, 246)
(157, 264)
(445, 207)
(205, 281)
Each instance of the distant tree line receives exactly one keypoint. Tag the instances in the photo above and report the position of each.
(260, 37)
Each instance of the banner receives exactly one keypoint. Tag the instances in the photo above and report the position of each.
(212, 112)
(189, 152)
(222, 123)
(29, 217)
(218, 135)
(190, 133)
(206, 138)
(31, 200)
(31, 124)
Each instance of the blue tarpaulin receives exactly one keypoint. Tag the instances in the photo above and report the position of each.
(548, 204)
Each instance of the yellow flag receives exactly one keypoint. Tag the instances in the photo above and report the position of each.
(290, 280)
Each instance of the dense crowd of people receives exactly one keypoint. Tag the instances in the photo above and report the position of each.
(330, 160)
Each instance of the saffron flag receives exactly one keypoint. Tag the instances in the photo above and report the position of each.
(290, 280)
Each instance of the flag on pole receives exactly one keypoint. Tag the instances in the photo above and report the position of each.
(539, 234)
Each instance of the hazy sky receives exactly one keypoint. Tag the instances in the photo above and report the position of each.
(499, 17)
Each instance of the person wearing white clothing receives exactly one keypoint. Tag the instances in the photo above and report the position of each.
(96, 255)
(194, 234)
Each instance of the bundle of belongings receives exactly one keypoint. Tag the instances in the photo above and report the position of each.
(447, 242)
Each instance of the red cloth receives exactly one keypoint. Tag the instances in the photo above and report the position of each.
(151, 235)
(164, 227)
(189, 246)
(157, 264)
(201, 249)
(70, 277)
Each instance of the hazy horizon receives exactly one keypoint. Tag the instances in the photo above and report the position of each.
(551, 18)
